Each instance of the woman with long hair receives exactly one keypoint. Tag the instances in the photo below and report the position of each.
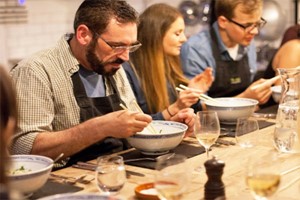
(154, 70)
(8, 118)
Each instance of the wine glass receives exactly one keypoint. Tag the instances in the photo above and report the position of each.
(244, 126)
(110, 174)
(207, 129)
(172, 177)
(263, 177)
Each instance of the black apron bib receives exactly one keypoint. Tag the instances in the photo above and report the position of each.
(232, 77)
(92, 107)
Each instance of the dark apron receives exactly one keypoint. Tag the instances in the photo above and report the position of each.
(93, 107)
(231, 77)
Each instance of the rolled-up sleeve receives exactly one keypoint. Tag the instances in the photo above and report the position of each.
(35, 106)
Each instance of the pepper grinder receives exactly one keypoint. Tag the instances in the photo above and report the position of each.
(214, 187)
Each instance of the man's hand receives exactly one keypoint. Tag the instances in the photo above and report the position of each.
(259, 90)
(124, 123)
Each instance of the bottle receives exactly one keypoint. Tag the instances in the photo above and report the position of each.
(214, 188)
(286, 133)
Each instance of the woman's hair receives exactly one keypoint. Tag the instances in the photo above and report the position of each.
(8, 111)
(153, 67)
(96, 14)
(293, 32)
(226, 8)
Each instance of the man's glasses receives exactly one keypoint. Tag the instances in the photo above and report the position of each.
(249, 27)
(118, 49)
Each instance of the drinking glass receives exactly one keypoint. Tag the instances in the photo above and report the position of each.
(284, 139)
(244, 126)
(172, 177)
(207, 128)
(110, 174)
(263, 177)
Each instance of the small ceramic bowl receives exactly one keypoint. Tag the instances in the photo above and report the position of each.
(276, 93)
(168, 135)
(146, 192)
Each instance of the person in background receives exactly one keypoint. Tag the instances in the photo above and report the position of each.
(293, 32)
(154, 70)
(8, 121)
(287, 55)
(69, 96)
(228, 48)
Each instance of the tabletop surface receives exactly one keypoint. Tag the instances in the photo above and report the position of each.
(235, 159)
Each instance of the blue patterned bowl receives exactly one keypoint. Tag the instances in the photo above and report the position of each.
(168, 135)
(28, 173)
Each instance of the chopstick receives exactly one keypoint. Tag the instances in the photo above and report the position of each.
(188, 88)
(289, 184)
(293, 181)
(150, 127)
(202, 96)
(205, 97)
(267, 82)
(122, 106)
(290, 170)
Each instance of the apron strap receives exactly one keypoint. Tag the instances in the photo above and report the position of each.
(92, 107)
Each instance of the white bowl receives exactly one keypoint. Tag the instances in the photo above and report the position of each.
(276, 93)
(231, 108)
(169, 135)
(87, 196)
(35, 174)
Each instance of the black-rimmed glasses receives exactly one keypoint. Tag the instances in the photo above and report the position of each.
(121, 48)
(249, 27)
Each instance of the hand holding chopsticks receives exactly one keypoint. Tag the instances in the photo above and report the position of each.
(202, 96)
(137, 107)
(268, 82)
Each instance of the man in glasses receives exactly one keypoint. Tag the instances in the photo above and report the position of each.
(69, 96)
(228, 48)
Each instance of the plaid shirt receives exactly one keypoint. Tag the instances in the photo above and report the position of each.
(45, 95)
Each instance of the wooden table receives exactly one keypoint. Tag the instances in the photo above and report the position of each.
(235, 159)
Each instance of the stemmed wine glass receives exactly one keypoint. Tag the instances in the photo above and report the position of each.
(207, 128)
(110, 174)
(263, 177)
(172, 177)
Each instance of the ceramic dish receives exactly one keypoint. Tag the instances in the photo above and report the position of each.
(276, 93)
(169, 135)
(231, 108)
(146, 192)
(29, 173)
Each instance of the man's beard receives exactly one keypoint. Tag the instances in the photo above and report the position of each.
(97, 65)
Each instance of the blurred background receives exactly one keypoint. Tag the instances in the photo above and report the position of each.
(27, 26)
